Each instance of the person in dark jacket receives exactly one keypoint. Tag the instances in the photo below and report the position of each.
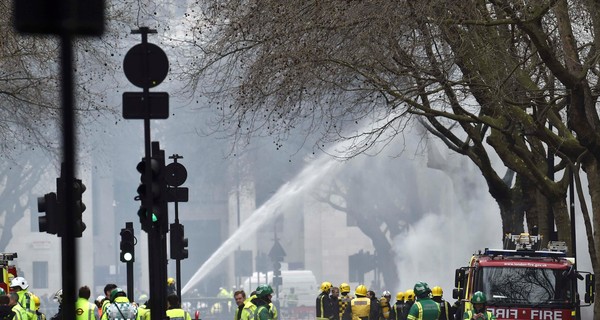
(324, 307)
(374, 313)
(6, 312)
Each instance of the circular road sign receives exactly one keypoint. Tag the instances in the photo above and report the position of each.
(175, 174)
(146, 65)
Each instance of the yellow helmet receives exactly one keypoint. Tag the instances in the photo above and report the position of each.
(409, 295)
(170, 281)
(344, 288)
(36, 300)
(437, 291)
(361, 290)
(325, 286)
(400, 296)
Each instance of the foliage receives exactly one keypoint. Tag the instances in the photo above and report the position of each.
(512, 79)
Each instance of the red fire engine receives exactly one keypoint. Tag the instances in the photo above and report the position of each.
(8, 271)
(524, 283)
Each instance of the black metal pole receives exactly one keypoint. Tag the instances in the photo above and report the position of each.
(156, 248)
(129, 264)
(68, 245)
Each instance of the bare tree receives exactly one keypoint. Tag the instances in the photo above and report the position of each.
(516, 79)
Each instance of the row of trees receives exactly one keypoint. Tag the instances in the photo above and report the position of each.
(491, 78)
(512, 79)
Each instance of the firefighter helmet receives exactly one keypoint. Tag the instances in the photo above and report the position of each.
(170, 281)
(386, 294)
(361, 290)
(344, 288)
(400, 296)
(36, 300)
(263, 290)
(117, 292)
(58, 296)
(421, 289)
(325, 286)
(478, 297)
(437, 291)
(409, 295)
(19, 282)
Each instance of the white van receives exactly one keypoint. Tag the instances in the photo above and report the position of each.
(304, 283)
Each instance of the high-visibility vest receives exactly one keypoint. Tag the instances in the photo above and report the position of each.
(84, 310)
(361, 307)
(178, 314)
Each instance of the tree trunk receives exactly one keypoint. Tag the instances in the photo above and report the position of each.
(593, 175)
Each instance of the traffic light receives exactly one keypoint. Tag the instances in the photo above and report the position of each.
(153, 183)
(178, 242)
(49, 222)
(78, 190)
(127, 245)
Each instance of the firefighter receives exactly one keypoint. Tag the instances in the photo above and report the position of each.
(263, 299)
(446, 310)
(344, 302)
(84, 309)
(171, 287)
(409, 300)
(384, 305)
(478, 300)
(20, 285)
(324, 307)
(174, 311)
(361, 305)
(397, 310)
(424, 308)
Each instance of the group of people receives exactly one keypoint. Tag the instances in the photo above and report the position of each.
(258, 306)
(419, 303)
(21, 304)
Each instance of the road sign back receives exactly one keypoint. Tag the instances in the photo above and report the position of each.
(146, 65)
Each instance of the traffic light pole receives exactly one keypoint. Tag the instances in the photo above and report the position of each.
(156, 252)
(146, 65)
(66, 21)
(129, 264)
(68, 245)
(177, 261)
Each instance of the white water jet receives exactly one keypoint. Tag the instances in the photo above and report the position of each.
(306, 179)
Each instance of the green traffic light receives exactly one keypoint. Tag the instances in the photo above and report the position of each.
(143, 214)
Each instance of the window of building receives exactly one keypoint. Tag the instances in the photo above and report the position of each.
(40, 274)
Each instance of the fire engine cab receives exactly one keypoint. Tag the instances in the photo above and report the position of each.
(524, 283)
(9, 271)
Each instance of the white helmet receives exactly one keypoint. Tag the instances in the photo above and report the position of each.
(58, 296)
(19, 282)
(386, 294)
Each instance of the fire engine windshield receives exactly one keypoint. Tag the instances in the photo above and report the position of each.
(525, 286)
